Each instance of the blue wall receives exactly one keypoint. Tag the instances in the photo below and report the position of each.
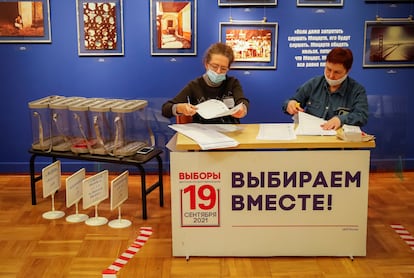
(32, 71)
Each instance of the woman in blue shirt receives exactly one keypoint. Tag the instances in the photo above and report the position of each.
(333, 96)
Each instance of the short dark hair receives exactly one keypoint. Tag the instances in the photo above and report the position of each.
(219, 48)
(339, 55)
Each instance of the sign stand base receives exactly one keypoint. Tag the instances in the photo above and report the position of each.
(53, 214)
(96, 220)
(119, 223)
(76, 218)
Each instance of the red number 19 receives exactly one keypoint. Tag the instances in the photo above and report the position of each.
(206, 193)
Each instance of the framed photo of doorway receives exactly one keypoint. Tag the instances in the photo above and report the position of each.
(25, 21)
(173, 27)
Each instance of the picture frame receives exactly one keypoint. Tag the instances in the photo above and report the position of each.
(388, 43)
(247, 2)
(100, 27)
(173, 27)
(25, 21)
(320, 3)
(254, 43)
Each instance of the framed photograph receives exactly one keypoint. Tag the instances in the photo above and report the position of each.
(25, 21)
(100, 27)
(389, 43)
(247, 2)
(320, 3)
(254, 44)
(173, 27)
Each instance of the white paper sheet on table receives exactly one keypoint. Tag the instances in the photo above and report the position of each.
(225, 127)
(311, 125)
(206, 137)
(280, 131)
(214, 108)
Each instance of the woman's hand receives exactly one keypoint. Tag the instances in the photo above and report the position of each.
(334, 123)
(186, 109)
(293, 107)
(241, 112)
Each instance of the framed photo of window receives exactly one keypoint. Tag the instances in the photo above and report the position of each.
(25, 21)
(100, 27)
(389, 43)
(320, 3)
(254, 43)
(247, 2)
(173, 27)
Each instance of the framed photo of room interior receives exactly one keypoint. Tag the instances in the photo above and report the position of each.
(25, 21)
(173, 27)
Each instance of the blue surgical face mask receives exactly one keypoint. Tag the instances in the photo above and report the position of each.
(216, 77)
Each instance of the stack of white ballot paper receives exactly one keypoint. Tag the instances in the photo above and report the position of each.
(206, 136)
(354, 134)
(214, 108)
(280, 131)
(311, 125)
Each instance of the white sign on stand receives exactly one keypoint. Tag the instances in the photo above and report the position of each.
(95, 190)
(119, 194)
(51, 177)
(74, 194)
(269, 203)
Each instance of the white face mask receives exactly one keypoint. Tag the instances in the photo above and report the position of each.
(337, 81)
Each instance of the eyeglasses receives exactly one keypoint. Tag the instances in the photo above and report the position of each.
(216, 67)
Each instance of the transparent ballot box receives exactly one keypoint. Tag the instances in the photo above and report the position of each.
(102, 126)
(81, 133)
(60, 125)
(132, 131)
(41, 122)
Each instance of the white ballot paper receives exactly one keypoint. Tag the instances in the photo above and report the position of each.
(280, 131)
(214, 108)
(225, 128)
(206, 137)
(311, 125)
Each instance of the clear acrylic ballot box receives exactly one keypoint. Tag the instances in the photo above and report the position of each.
(102, 127)
(82, 136)
(41, 122)
(132, 131)
(60, 125)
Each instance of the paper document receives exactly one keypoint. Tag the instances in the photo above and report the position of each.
(206, 137)
(276, 132)
(214, 108)
(354, 134)
(225, 127)
(311, 125)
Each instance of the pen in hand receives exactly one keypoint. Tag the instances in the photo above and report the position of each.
(190, 108)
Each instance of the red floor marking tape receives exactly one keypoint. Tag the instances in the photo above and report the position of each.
(404, 234)
(123, 259)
